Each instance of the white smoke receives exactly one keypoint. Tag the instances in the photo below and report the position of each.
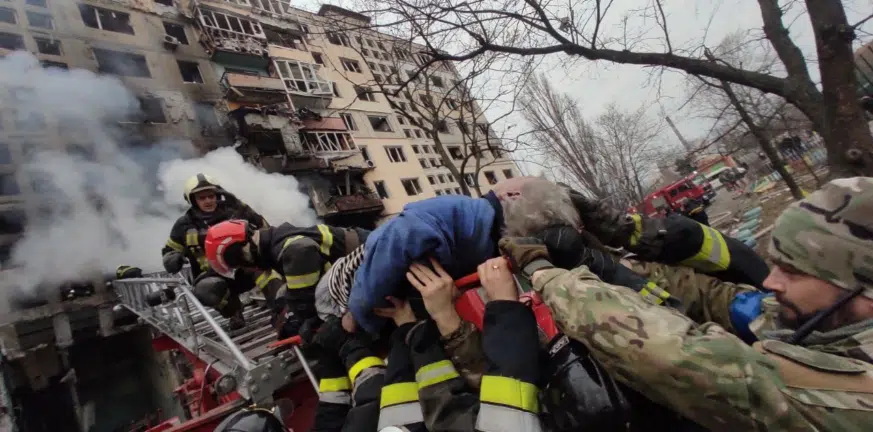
(114, 202)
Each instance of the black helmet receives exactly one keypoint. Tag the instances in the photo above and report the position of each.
(251, 420)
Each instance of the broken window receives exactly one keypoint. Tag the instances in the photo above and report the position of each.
(350, 65)
(437, 81)
(507, 173)
(381, 189)
(339, 39)
(349, 121)
(48, 46)
(455, 153)
(442, 127)
(280, 7)
(12, 221)
(40, 20)
(9, 184)
(11, 41)
(37, 3)
(317, 58)
(427, 100)
(121, 63)
(412, 187)
(53, 64)
(451, 103)
(364, 94)
(380, 123)
(190, 71)
(206, 118)
(152, 110)
(401, 53)
(489, 175)
(177, 31)
(395, 154)
(277, 37)
(469, 179)
(302, 77)
(325, 142)
(106, 19)
(165, 2)
(7, 16)
(431, 179)
(230, 23)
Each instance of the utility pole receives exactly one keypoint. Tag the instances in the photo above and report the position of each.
(679, 135)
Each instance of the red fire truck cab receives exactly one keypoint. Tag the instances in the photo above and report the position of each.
(675, 195)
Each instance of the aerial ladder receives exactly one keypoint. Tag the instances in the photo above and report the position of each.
(230, 369)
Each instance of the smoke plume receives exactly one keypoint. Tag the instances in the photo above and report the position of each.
(108, 198)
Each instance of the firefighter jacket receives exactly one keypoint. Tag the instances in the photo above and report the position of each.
(189, 231)
(678, 240)
(301, 255)
(349, 392)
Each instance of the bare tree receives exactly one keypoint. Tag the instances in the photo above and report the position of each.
(578, 28)
(444, 102)
(610, 157)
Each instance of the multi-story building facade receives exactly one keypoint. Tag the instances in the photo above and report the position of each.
(295, 97)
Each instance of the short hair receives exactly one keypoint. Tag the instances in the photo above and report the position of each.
(540, 204)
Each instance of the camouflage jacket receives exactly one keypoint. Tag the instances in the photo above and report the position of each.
(707, 374)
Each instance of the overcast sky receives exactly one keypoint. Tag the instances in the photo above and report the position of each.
(596, 84)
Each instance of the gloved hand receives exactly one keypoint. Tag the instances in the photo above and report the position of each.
(611, 226)
(173, 261)
(309, 329)
(522, 251)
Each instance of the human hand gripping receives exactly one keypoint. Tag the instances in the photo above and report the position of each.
(401, 312)
(438, 292)
(497, 280)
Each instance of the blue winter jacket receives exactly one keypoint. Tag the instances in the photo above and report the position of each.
(458, 231)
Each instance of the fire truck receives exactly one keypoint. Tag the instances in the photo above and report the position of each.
(231, 369)
(673, 196)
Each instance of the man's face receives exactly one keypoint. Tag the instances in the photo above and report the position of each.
(206, 201)
(801, 296)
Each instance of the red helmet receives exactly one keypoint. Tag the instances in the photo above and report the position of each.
(224, 245)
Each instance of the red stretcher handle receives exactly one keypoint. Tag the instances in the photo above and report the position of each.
(293, 340)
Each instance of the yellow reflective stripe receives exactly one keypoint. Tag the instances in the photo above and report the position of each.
(366, 362)
(334, 384)
(326, 239)
(398, 393)
(435, 373)
(172, 244)
(265, 278)
(302, 281)
(203, 262)
(289, 241)
(223, 302)
(509, 392)
(192, 237)
(653, 293)
(713, 254)
(638, 229)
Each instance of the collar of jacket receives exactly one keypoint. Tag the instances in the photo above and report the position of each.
(853, 341)
(497, 226)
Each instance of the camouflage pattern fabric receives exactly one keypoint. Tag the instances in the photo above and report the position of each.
(464, 348)
(705, 373)
(829, 234)
(705, 298)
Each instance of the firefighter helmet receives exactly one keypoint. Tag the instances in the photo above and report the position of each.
(197, 183)
(251, 420)
(224, 245)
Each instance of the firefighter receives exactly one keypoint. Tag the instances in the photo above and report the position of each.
(211, 204)
(352, 377)
(695, 210)
(300, 254)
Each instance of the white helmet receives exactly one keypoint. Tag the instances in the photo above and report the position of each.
(198, 183)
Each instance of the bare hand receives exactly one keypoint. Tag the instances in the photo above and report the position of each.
(437, 288)
(497, 280)
(401, 313)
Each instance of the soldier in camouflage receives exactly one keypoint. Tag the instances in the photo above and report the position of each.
(812, 368)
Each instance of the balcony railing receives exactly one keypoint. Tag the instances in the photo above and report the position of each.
(241, 87)
(355, 203)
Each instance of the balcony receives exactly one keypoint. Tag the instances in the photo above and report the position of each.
(304, 84)
(231, 40)
(362, 202)
(254, 89)
(343, 195)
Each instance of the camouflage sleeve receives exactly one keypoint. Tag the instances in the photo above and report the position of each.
(705, 298)
(464, 347)
(701, 372)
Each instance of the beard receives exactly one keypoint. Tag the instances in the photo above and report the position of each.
(836, 320)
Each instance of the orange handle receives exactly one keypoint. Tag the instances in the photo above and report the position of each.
(293, 340)
(472, 280)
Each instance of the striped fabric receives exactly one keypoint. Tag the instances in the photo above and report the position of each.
(332, 292)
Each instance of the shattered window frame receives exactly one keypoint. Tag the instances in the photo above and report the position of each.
(40, 20)
(152, 110)
(395, 154)
(112, 58)
(412, 186)
(214, 20)
(197, 78)
(349, 121)
(381, 189)
(302, 77)
(177, 31)
(48, 42)
(106, 19)
(11, 41)
(380, 124)
(364, 94)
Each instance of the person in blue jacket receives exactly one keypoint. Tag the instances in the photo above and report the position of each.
(458, 231)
